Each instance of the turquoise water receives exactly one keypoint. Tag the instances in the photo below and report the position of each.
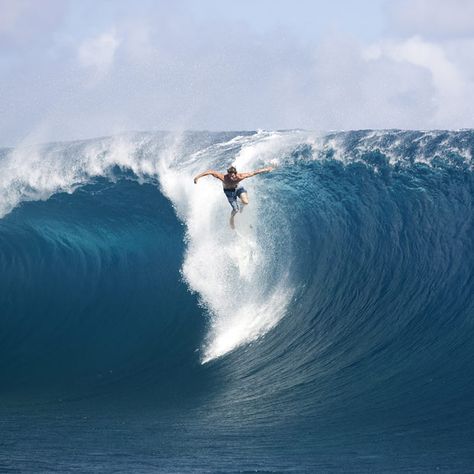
(332, 331)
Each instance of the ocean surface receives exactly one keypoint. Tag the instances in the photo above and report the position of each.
(331, 331)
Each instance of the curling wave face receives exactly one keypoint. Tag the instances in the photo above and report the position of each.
(346, 289)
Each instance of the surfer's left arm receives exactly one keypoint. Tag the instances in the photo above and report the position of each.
(253, 173)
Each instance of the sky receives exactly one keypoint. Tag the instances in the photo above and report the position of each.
(73, 69)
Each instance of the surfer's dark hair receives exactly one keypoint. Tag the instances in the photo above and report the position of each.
(231, 170)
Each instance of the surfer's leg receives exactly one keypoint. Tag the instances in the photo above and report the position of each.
(244, 200)
(235, 205)
(232, 217)
(243, 196)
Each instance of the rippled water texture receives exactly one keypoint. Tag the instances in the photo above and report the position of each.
(331, 331)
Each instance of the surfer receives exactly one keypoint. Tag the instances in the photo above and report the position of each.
(232, 190)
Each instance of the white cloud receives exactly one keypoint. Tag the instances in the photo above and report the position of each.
(348, 91)
(97, 54)
(452, 87)
(160, 67)
(434, 18)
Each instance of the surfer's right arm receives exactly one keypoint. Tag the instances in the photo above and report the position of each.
(213, 173)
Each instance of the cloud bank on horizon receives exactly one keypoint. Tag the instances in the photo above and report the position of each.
(72, 69)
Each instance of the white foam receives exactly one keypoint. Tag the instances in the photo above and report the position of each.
(34, 172)
(231, 270)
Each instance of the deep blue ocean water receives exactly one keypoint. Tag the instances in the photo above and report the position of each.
(331, 331)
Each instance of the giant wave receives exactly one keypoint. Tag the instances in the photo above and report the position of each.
(340, 308)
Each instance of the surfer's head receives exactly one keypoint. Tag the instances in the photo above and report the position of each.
(231, 170)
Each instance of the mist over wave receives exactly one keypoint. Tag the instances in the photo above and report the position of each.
(341, 306)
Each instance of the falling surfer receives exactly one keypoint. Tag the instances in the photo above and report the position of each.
(232, 190)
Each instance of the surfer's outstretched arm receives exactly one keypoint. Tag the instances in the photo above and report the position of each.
(253, 173)
(213, 173)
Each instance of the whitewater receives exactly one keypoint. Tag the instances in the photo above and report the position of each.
(331, 331)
